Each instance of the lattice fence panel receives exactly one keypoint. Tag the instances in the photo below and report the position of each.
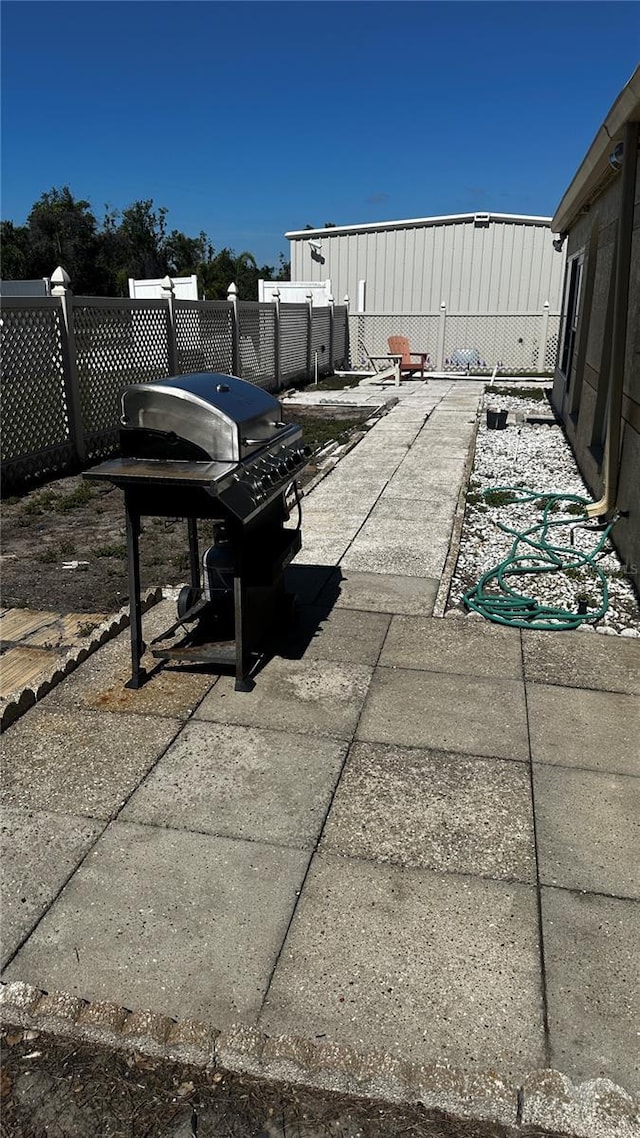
(35, 423)
(117, 342)
(204, 335)
(256, 328)
(553, 336)
(320, 339)
(369, 334)
(294, 325)
(340, 336)
(512, 341)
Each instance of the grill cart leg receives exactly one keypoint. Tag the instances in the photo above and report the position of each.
(138, 674)
(242, 654)
(194, 560)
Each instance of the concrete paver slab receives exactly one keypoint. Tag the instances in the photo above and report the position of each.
(434, 967)
(242, 782)
(606, 663)
(576, 728)
(319, 521)
(320, 633)
(425, 488)
(434, 810)
(459, 646)
(306, 582)
(410, 515)
(38, 851)
(316, 697)
(377, 592)
(593, 989)
(185, 924)
(74, 761)
(396, 547)
(322, 547)
(100, 683)
(588, 827)
(446, 712)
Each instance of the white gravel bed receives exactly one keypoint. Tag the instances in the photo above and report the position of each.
(537, 458)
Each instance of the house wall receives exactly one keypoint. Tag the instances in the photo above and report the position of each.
(581, 398)
(494, 266)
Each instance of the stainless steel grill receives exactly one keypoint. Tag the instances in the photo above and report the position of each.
(211, 446)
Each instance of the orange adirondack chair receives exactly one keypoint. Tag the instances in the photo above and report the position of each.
(399, 346)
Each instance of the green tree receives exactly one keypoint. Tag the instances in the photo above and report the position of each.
(63, 231)
(14, 242)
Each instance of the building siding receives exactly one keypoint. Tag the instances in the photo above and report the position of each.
(582, 399)
(508, 265)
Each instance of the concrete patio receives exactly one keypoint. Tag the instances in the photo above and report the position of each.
(405, 865)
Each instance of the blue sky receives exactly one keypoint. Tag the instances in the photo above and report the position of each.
(249, 119)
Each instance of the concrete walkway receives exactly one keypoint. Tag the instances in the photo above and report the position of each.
(405, 865)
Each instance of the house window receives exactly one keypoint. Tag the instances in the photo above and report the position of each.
(570, 310)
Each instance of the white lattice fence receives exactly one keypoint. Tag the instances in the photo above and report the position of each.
(35, 423)
(61, 392)
(511, 341)
(257, 340)
(294, 324)
(340, 336)
(204, 335)
(522, 342)
(321, 339)
(369, 334)
(551, 351)
(117, 342)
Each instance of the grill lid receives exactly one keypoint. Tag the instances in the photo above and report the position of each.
(225, 417)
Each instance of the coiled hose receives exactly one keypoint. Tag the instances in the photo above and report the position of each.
(532, 552)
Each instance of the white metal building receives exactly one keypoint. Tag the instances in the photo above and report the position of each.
(473, 263)
(486, 286)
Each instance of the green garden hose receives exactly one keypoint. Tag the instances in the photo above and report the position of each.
(533, 553)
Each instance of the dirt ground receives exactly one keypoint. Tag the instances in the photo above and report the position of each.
(57, 1089)
(74, 519)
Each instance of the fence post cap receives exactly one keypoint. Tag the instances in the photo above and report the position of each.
(167, 285)
(275, 295)
(232, 291)
(61, 281)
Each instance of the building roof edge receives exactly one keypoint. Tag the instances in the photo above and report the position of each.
(595, 165)
(416, 221)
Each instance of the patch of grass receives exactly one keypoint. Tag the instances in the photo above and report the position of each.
(536, 394)
(317, 432)
(40, 503)
(75, 499)
(49, 555)
(335, 383)
(118, 549)
(87, 628)
(542, 504)
(499, 497)
(475, 498)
